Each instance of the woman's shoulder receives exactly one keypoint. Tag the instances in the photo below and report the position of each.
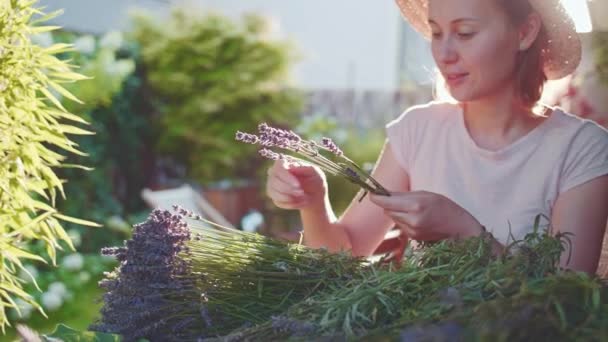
(427, 112)
(576, 127)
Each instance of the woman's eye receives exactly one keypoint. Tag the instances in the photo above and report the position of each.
(436, 35)
(466, 35)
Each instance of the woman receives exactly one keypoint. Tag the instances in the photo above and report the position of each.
(493, 159)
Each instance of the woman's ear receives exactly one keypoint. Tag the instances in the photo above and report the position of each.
(529, 30)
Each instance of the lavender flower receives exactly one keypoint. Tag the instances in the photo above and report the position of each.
(178, 281)
(331, 146)
(150, 269)
(247, 138)
(309, 150)
(291, 326)
(270, 154)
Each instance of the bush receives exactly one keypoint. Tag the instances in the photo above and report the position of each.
(34, 128)
(119, 151)
(600, 41)
(212, 76)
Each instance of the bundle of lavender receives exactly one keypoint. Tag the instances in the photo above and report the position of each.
(453, 291)
(182, 278)
(311, 152)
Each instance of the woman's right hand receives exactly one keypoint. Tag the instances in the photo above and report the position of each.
(295, 185)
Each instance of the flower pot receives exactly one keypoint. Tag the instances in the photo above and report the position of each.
(235, 201)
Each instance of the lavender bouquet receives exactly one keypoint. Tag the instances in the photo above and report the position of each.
(182, 278)
(311, 152)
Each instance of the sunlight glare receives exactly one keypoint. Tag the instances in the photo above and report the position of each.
(579, 11)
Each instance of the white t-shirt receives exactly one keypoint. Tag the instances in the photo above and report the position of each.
(506, 189)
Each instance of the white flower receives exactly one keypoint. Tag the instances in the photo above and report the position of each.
(252, 221)
(25, 308)
(51, 301)
(120, 68)
(84, 277)
(111, 40)
(58, 288)
(85, 44)
(44, 39)
(73, 262)
(75, 237)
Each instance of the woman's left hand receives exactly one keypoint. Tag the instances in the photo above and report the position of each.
(427, 216)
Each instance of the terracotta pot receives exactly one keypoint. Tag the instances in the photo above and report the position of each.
(235, 202)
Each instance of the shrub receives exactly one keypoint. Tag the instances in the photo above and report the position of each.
(34, 128)
(212, 76)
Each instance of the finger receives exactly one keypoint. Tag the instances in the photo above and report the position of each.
(284, 185)
(281, 172)
(282, 195)
(303, 171)
(403, 218)
(403, 201)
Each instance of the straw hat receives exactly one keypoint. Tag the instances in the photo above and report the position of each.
(562, 52)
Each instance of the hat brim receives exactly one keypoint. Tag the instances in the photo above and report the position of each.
(562, 52)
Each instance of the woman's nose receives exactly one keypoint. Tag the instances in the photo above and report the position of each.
(447, 52)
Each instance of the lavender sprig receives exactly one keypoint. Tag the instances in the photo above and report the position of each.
(309, 149)
(182, 278)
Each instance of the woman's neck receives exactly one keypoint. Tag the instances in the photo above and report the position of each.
(497, 121)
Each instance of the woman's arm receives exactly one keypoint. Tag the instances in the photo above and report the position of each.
(363, 225)
(583, 211)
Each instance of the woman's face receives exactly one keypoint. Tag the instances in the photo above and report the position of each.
(474, 45)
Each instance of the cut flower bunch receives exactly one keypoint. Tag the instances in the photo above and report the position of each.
(311, 152)
(182, 278)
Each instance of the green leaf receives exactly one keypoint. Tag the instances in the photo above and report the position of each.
(70, 76)
(77, 221)
(52, 98)
(58, 48)
(61, 90)
(42, 29)
(12, 253)
(75, 130)
(68, 116)
(67, 334)
(45, 17)
(75, 166)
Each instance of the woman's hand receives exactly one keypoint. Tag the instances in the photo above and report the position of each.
(427, 216)
(295, 185)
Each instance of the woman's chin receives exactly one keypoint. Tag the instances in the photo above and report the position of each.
(461, 95)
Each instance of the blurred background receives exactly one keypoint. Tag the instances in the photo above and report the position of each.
(172, 81)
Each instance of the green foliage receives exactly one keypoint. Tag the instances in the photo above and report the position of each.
(34, 127)
(62, 291)
(106, 72)
(211, 77)
(67, 334)
(600, 41)
(452, 290)
(117, 107)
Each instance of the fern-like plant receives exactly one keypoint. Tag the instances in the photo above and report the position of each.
(33, 137)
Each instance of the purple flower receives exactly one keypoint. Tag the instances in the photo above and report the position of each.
(331, 146)
(247, 138)
(266, 153)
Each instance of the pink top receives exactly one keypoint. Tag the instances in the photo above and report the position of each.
(505, 189)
